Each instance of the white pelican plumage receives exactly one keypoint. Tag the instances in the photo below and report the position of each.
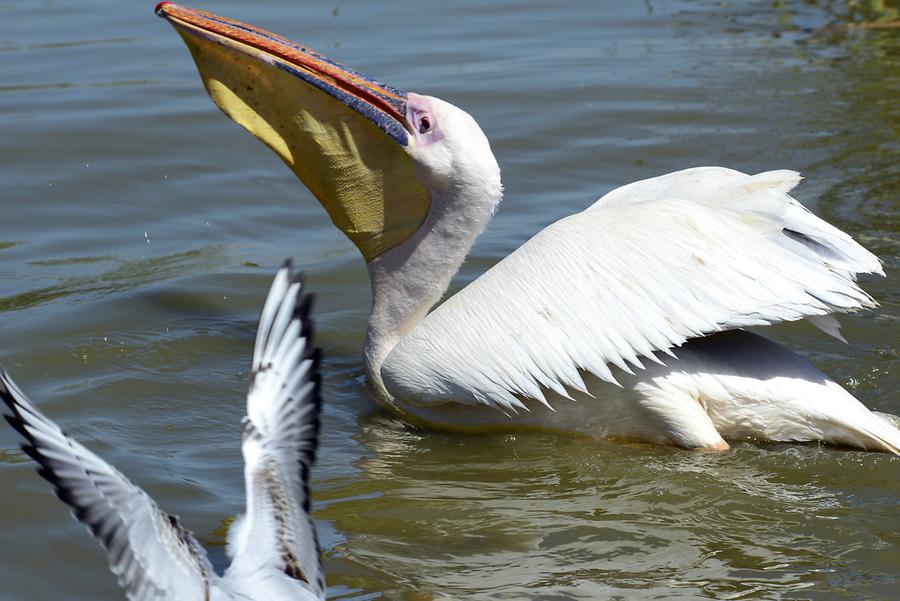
(275, 555)
(624, 320)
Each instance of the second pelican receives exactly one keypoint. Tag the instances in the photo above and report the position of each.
(624, 320)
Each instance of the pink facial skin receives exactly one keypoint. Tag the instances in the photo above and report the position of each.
(420, 117)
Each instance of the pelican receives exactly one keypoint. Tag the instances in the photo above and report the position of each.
(626, 320)
(273, 547)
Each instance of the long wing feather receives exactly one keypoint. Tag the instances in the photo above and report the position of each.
(152, 555)
(647, 267)
(280, 438)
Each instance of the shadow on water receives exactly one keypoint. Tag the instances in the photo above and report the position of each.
(127, 275)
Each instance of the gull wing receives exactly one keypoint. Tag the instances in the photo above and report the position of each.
(152, 555)
(647, 267)
(281, 433)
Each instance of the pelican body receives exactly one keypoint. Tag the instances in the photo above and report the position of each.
(273, 547)
(624, 320)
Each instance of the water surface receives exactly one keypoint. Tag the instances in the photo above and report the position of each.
(140, 229)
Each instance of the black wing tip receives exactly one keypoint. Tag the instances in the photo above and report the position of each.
(314, 398)
(9, 393)
(305, 300)
(23, 413)
(61, 489)
(303, 313)
(315, 376)
(6, 390)
(294, 277)
(31, 446)
(315, 355)
(34, 450)
(15, 420)
(4, 377)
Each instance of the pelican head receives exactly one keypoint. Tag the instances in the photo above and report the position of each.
(377, 158)
(410, 179)
(448, 147)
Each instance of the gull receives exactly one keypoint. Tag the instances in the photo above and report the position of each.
(273, 548)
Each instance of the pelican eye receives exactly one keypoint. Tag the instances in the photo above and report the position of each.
(424, 124)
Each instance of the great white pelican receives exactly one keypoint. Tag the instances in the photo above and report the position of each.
(273, 548)
(625, 320)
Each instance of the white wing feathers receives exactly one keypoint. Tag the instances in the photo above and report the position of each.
(280, 438)
(153, 557)
(762, 201)
(647, 267)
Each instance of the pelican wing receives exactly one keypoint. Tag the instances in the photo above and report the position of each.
(647, 267)
(152, 555)
(281, 433)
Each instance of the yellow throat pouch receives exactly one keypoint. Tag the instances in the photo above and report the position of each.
(338, 131)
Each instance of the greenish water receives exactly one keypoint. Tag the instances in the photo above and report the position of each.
(140, 229)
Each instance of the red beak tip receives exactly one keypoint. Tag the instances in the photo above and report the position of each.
(161, 6)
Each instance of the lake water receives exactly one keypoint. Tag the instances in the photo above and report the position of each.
(140, 229)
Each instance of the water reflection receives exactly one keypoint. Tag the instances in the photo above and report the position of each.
(530, 515)
(127, 275)
(141, 350)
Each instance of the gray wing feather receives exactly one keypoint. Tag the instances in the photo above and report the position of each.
(152, 555)
(281, 433)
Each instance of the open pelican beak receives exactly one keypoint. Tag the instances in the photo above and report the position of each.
(343, 134)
